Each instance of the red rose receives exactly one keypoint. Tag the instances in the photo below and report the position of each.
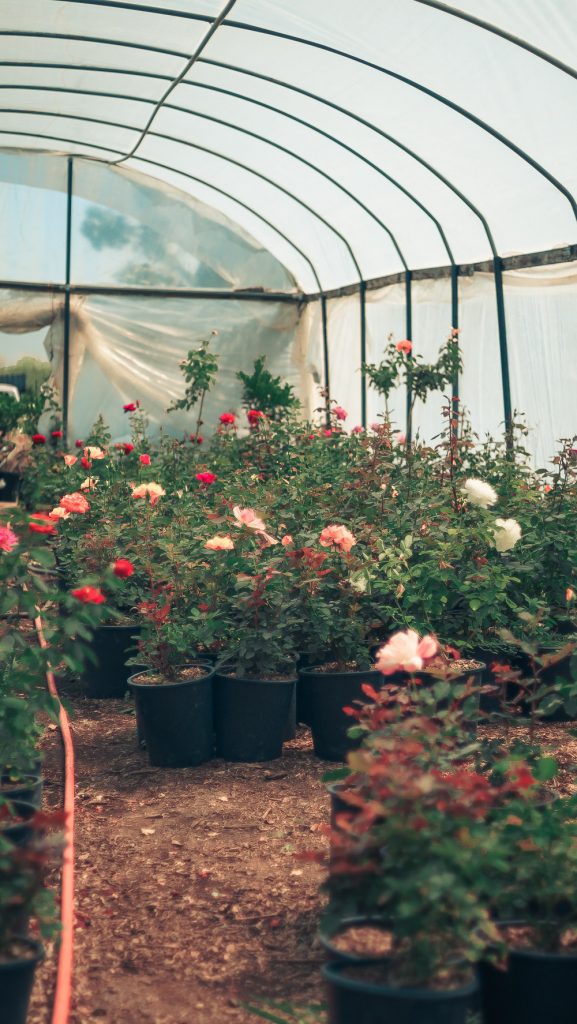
(227, 417)
(206, 478)
(145, 460)
(131, 407)
(123, 568)
(86, 463)
(40, 522)
(198, 438)
(56, 434)
(253, 416)
(79, 443)
(88, 595)
(38, 439)
(128, 448)
(203, 608)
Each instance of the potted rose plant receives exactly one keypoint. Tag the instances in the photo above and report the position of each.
(250, 580)
(173, 692)
(334, 583)
(533, 887)
(414, 854)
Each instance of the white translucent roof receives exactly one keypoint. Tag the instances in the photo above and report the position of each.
(352, 140)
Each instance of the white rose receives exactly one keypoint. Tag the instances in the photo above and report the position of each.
(480, 493)
(507, 534)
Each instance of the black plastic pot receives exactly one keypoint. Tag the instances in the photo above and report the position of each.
(250, 716)
(304, 661)
(354, 1001)
(537, 988)
(9, 485)
(16, 981)
(29, 789)
(112, 645)
(336, 955)
(20, 833)
(327, 694)
(290, 729)
(176, 720)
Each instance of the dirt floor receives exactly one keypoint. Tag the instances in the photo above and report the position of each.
(191, 903)
(190, 900)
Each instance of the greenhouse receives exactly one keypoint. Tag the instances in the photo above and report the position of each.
(288, 512)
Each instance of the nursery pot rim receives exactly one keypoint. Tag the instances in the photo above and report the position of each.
(329, 971)
(170, 685)
(314, 670)
(254, 679)
(117, 625)
(37, 950)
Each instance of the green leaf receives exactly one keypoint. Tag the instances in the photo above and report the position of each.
(545, 769)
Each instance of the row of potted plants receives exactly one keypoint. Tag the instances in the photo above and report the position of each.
(279, 543)
(30, 839)
(452, 874)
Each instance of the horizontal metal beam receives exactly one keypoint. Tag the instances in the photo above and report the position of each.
(549, 257)
(521, 261)
(244, 294)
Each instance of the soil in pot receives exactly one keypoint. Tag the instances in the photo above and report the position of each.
(250, 716)
(364, 994)
(357, 939)
(17, 966)
(536, 987)
(176, 718)
(112, 646)
(330, 688)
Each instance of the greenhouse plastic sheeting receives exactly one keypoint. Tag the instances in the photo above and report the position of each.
(542, 318)
(290, 146)
(128, 348)
(320, 99)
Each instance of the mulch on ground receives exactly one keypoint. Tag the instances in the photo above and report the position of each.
(190, 900)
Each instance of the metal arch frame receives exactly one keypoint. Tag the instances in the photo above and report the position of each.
(454, 12)
(270, 181)
(449, 103)
(412, 83)
(243, 26)
(226, 124)
(325, 47)
(190, 145)
(497, 267)
(315, 128)
(479, 122)
(215, 188)
(227, 92)
(322, 296)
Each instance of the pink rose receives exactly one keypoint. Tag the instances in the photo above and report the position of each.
(405, 652)
(337, 537)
